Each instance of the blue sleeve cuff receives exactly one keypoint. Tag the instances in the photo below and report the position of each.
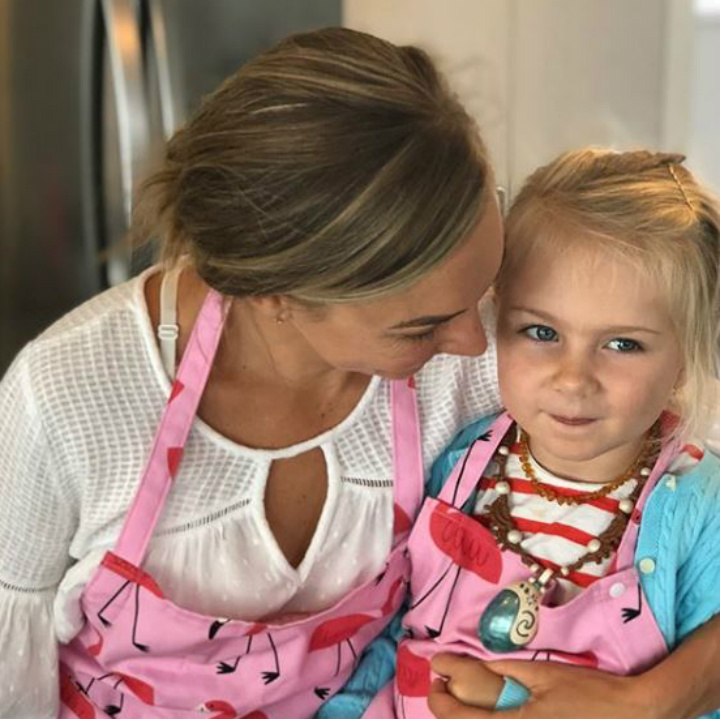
(513, 695)
(374, 670)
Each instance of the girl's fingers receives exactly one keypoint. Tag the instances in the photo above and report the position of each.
(457, 666)
(445, 706)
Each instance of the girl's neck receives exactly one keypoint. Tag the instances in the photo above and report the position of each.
(600, 469)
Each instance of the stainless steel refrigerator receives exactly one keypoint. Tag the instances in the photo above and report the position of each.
(89, 89)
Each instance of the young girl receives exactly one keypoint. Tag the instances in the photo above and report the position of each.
(583, 524)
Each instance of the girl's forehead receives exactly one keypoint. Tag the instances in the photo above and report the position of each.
(603, 287)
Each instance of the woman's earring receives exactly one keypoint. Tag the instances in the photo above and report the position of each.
(281, 317)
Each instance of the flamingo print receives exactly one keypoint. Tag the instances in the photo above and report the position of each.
(468, 545)
(94, 649)
(584, 659)
(402, 522)
(630, 613)
(223, 709)
(227, 711)
(335, 632)
(132, 575)
(227, 668)
(143, 691)
(73, 697)
(413, 675)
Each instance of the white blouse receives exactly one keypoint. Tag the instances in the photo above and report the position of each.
(78, 411)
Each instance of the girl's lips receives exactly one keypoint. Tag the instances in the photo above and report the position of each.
(573, 421)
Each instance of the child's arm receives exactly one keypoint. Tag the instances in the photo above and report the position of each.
(375, 669)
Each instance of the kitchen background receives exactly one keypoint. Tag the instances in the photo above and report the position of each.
(90, 88)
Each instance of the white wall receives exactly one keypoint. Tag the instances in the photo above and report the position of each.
(543, 76)
(704, 149)
(469, 41)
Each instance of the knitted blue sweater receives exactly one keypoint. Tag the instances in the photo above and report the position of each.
(680, 532)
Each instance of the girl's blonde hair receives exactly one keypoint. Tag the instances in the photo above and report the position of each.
(334, 167)
(649, 209)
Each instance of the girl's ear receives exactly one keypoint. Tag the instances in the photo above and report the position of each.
(675, 403)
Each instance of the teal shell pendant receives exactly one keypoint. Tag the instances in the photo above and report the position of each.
(511, 619)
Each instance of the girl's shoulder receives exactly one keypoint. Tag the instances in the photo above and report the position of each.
(453, 453)
(694, 470)
(684, 507)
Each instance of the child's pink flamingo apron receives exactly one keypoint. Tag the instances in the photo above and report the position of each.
(458, 568)
(139, 656)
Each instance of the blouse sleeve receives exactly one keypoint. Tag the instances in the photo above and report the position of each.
(36, 525)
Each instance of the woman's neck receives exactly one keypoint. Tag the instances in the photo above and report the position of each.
(257, 350)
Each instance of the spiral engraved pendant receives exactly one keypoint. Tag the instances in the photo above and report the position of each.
(511, 619)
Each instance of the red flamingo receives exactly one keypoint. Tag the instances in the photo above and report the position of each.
(177, 387)
(258, 628)
(583, 659)
(413, 675)
(132, 575)
(468, 545)
(94, 649)
(142, 690)
(402, 523)
(227, 711)
(224, 709)
(73, 697)
(334, 632)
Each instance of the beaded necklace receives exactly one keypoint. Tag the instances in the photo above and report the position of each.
(510, 621)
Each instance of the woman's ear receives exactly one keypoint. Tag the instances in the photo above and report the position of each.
(277, 308)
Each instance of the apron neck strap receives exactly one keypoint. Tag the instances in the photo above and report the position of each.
(171, 436)
(626, 550)
(181, 409)
(469, 469)
(408, 471)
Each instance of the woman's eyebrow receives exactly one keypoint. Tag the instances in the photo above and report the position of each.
(425, 320)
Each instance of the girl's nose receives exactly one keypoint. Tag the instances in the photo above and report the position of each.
(574, 375)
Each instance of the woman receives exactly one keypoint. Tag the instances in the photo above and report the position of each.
(227, 533)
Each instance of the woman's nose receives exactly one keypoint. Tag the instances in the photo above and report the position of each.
(464, 336)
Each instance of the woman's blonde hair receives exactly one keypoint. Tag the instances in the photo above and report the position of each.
(334, 167)
(649, 209)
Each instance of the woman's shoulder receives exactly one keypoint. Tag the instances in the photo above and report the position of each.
(106, 308)
(106, 337)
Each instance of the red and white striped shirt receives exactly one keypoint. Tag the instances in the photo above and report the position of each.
(557, 535)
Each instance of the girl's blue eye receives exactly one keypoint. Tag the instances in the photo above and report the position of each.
(622, 344)
(540, 333)
(422, 337)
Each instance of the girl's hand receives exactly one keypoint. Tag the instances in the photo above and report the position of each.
(559, 691)
(468, 680)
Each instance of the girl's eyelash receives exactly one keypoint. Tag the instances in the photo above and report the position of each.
(635, 345)
(530, 331)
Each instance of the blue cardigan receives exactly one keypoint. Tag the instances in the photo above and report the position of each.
(680, 532)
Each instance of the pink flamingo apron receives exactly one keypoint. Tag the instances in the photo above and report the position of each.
(458, 568)
(139, 656)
